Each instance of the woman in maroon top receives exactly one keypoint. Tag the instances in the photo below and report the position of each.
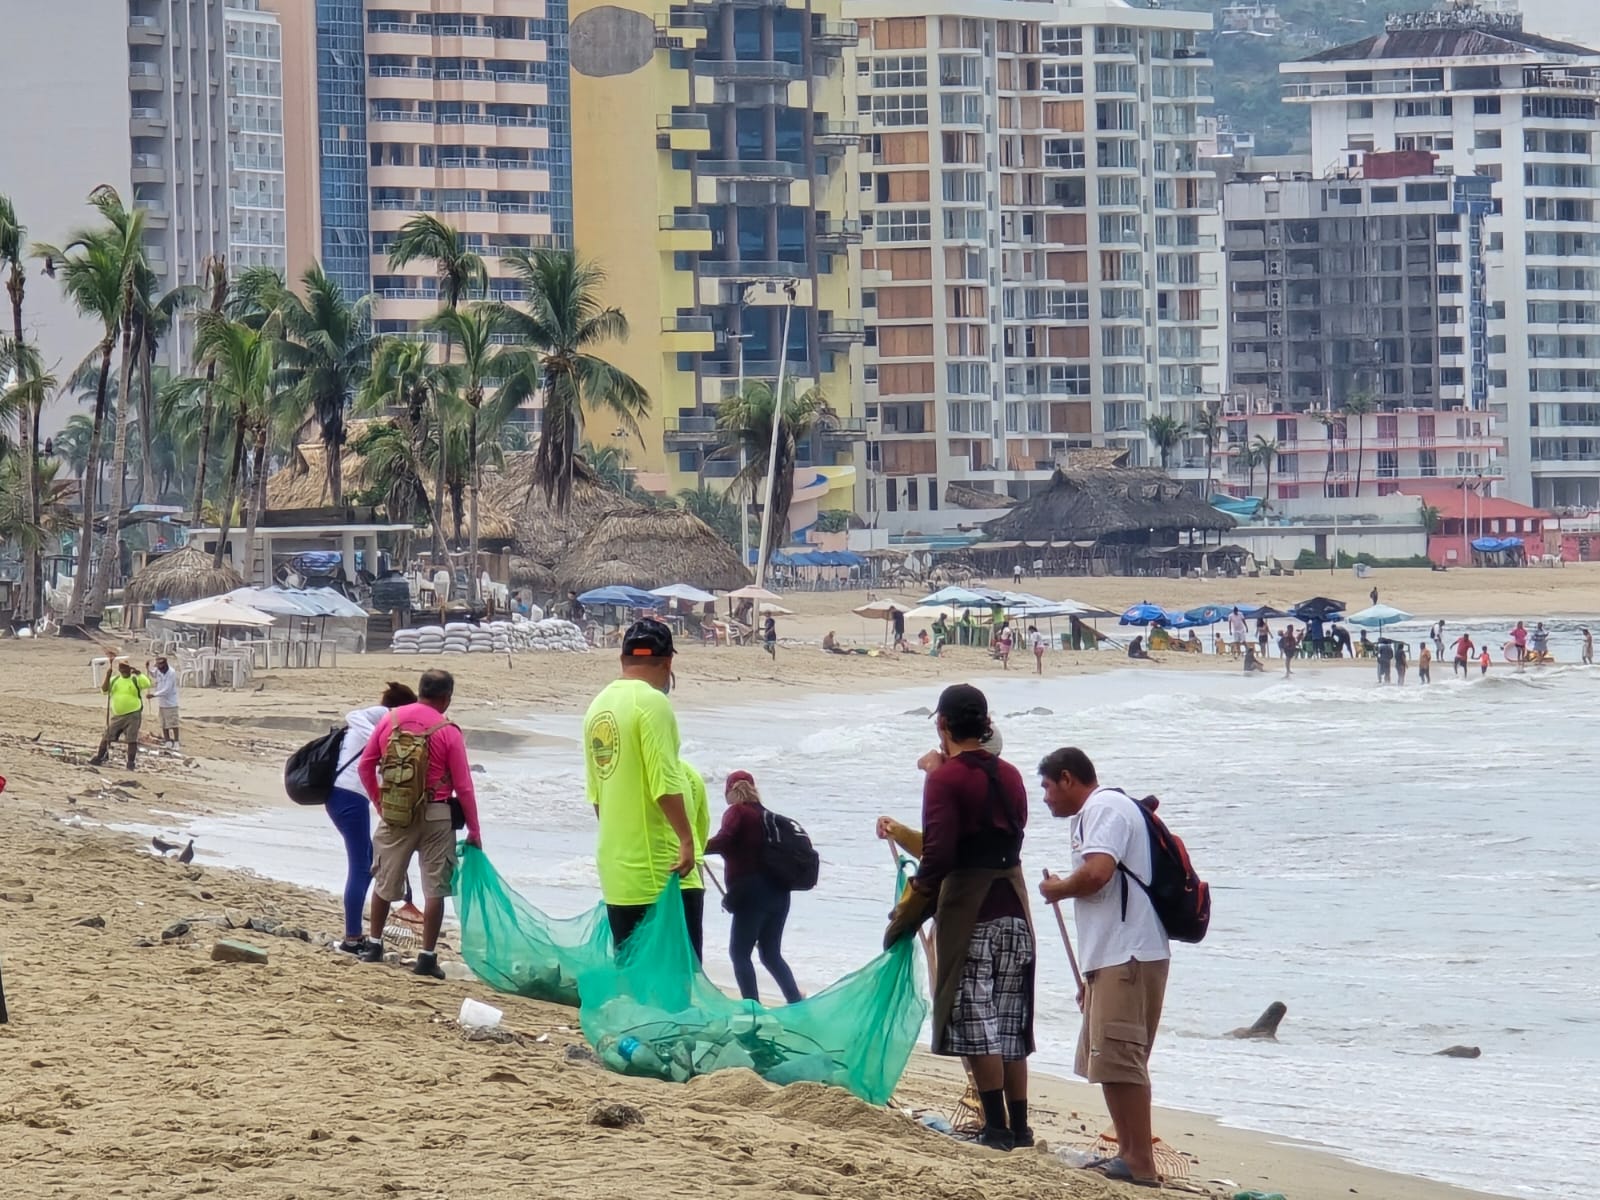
(760, 906)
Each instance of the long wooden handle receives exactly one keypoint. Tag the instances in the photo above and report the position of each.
(705, 869)
(1061, 923)
(922, 935)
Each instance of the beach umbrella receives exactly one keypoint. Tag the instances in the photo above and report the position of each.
(770, 609)
(1145, 614)
(1076, 608)
(215, 612)
(1252, 611)
(960, 597)
(932, 612)
(1378, 616)
(1207, 614)
(1318, 608)
(883, 609)
(619, 596)
(752, 592)
(683, 591)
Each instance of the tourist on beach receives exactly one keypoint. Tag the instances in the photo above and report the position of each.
(1588, 648)
(1288, 646)
(1424, 662)
(1367, 648)
(1136, 647)
(1400, 663)
(831, 643)
(430, 834)
(1341, 642)
(1385, 659)
(1438, 638)
(1122, 949)
(1251, 662)
(1374, 595)
(164, 689)
(1541, 642)
(1003, 645)
(974, 809)
(1483, 662)
(693, 887)
(124, 689)
(574, 610)
(630, 748)
(897, 620)
(1263, 635)
(1315, 635)
(1236, 631)
(941, 632)
(758, 902)
(1039, 643)
(769, 637)
(1016, 573)
(1463, 648)
(350, 810)
(1519, 639)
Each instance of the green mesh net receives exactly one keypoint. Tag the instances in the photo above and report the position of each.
(653, 1011)
(513, 946)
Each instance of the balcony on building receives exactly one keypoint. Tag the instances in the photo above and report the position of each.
(683, 29)
(148, 168)
(833, 134)
(147, 123)
(835, 233)
(146, 31)
(692, 431)
(840, 331)
(749, 70)
(684, 232)
(687, 334)
(844, 431)
(145, 77)
(683, 131)
(833, 36)
(754, 170)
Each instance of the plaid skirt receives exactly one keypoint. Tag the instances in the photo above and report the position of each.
(993, 998)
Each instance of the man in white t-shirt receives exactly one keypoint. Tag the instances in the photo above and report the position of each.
(1236, 631)
(164, 687)
(1122, 948)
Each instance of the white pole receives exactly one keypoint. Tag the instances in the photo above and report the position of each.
(744, 504)
(772, 452)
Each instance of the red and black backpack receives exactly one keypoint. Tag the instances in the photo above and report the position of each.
(1182, 899)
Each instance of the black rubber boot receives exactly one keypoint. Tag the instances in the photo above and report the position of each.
(428, 965)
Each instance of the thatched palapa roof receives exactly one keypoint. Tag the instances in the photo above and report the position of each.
(525, 573)
(1080, 505)
(651, 548)
(538, 531)
(303, 483)
(959, 495)
(184, 574)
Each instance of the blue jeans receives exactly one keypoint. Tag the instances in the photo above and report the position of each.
(351, 814)
(760, 911)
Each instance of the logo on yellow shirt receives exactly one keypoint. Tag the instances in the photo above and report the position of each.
(604, 743)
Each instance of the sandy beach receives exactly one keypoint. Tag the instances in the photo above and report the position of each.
(135, 1065)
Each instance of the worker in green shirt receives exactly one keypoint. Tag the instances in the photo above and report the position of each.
(124, 689)
(635, 781)
(698, 810)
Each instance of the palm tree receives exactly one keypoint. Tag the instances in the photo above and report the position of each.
(216, 274)
(240, 365)
(1248, 458)
(461, 271)
(1166, 433)
(1326, 420)
(746, 424)
(563, 323)
(1358, 406)
(716, 509)
(71, 447)
(405, 377)
(475, 329)
(1266, 452)
(1208, 423)
(326, 354)
(1429, 516)
(98, 270)
(13, 252)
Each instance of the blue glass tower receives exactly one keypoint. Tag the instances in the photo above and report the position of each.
(342, 128)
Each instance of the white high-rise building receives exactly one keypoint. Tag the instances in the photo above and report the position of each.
(1488, 97)
(257, 222)
(1040, 258)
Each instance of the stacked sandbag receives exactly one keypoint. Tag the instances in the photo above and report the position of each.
(430, 639)
(500, 632)
(456, 635)
(480, 641)
(555, 635)
(404, 641)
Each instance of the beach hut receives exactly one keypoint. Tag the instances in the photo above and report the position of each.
(1121, 510)
(649, 548)
(182, 575)
(539, 532)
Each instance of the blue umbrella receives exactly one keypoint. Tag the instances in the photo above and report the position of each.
(1260, 610)
(1147, 614)
(622, 596)
(1207, 614)
(1378, 616)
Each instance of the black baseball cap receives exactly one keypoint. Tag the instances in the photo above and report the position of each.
(967, 705)
(647, 638)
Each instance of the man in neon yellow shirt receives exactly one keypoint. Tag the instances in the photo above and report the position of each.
(635, 781)
(125, 689)
(698, 811)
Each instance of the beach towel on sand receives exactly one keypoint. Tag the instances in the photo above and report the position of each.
(655, 1012)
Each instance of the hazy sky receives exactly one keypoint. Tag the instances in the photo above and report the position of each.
(1577, 19)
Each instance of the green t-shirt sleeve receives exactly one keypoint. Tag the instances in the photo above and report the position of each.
(660, 769)
(699, 810)
(143, 683)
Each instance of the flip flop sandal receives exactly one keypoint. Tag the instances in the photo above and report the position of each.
(1114, 1168)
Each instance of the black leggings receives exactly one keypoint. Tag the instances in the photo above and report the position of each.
(759, 914)
(625, 918)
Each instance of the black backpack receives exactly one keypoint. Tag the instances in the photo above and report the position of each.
(1182, 899)
(788, 858)
(311, 771)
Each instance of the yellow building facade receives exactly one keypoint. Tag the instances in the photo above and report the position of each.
(715, 154)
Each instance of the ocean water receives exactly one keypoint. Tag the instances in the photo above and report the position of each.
(1406, 869)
